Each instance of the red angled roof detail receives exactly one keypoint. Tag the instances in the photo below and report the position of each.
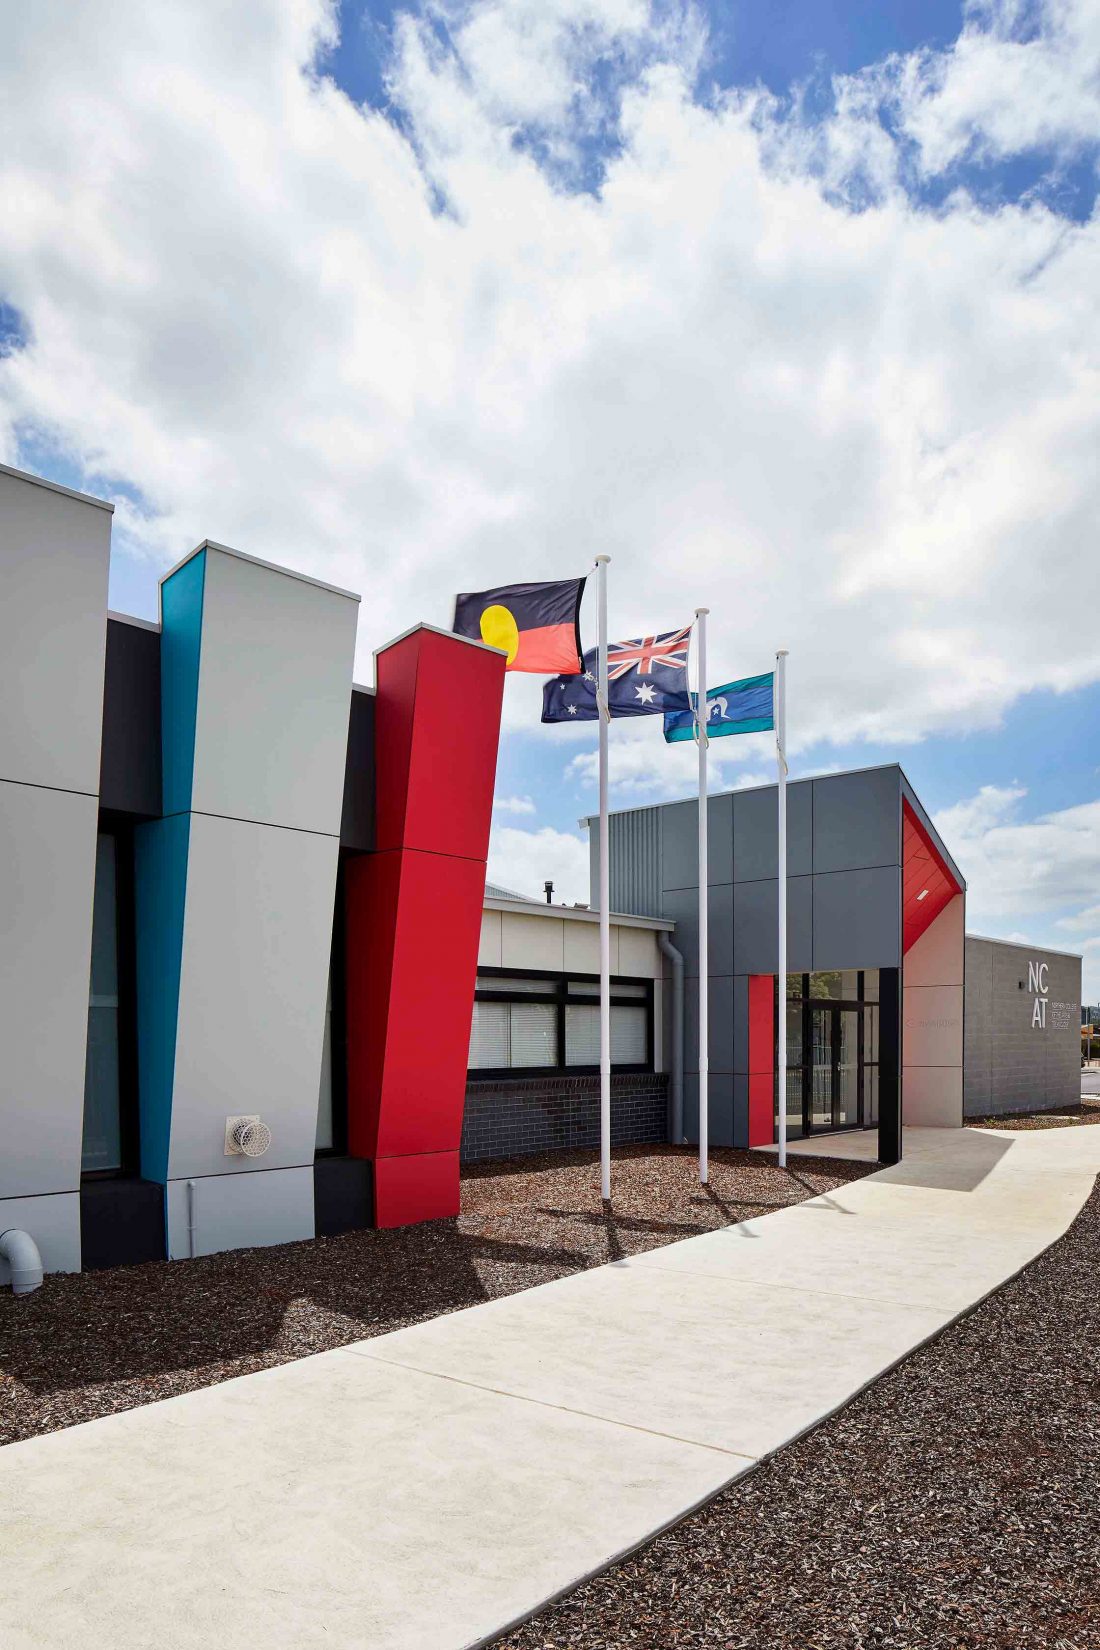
(926, 883)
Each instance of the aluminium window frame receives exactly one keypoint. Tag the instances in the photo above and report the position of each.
(121, 828)
(562, 998)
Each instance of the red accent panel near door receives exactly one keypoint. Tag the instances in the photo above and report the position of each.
(761, 1059)
(413, 919)
(927, 886)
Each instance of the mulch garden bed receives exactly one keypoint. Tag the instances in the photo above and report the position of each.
(1087, 1112)
(954, 1504)
(91, 1343)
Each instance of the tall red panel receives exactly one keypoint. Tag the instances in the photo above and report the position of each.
(761, 1059)
(413, 918)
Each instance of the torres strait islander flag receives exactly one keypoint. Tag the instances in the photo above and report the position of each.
(645, 677)
(536, 625)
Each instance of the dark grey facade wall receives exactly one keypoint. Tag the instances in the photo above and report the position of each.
(511, 1116)
(1011, 1064)
(357, 816)
(129, 770)
(843, 903)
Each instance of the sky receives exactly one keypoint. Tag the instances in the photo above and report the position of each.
(792, 310)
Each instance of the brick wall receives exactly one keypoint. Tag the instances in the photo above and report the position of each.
(507, 1117)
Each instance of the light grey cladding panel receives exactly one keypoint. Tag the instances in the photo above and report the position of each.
(47, 879)
(53, 1223)
(275, 668)
(720, 1028)
(857, 919)
(857, 820)
(241, 1211)
(756, 832)
(680, 845)
(54, 556)
(635, 861)
(977, 1027)
(253, 987)
(756, 937)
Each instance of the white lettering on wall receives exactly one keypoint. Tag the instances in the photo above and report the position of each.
(1038, 981)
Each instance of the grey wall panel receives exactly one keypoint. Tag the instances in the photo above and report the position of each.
(857, 919)
(54, 555)
(1030, 1067)
(357, 815)
(741, 1112)
(681, 906)
(241, 1212)
(756, 937)
(719, 838)
(47, 855)
(680, 845)
(756, 832)
(253, 985)
(129, 777)
(720, 926)
(635, 882)
(741, 1022)
(720, 1089)
(275, 669)
(857, 820)
(720, 1029)
(53, 1223)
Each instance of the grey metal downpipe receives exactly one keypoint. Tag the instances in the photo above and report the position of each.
(676, 1060)
(21, 1253)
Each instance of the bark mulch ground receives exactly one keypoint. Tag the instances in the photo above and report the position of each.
(954, 1504)
(92, 1343)
(1087, 1112)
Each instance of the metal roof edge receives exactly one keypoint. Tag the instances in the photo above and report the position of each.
(534, 908)
(56, 487)
(1025, 945)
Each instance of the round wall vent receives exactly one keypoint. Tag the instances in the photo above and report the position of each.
(252, 1137)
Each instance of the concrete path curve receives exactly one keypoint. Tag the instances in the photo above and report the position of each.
(423, 1490)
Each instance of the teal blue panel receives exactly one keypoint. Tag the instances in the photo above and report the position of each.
(181, 636)
(160, 889)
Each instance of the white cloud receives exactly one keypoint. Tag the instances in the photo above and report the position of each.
(867, 435)
(524, 860)
(514, 805)
(1045, 870)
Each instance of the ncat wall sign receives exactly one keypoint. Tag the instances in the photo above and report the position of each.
(1046, 1015)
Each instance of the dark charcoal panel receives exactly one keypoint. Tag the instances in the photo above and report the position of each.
(507, 1117)
(121, 1223)
(129, 776)
(357, 820)
(343, 1195)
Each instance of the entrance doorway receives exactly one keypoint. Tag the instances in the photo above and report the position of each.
(832, 1051)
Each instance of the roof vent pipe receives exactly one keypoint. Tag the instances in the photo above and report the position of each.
(21, 1253)
(676, 1051)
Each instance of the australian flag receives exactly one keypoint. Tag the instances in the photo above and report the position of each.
(645, 677)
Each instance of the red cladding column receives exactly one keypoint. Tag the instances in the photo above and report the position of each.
(413, 918)
(761, 1059)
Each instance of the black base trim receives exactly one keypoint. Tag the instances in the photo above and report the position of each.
(343, 1195)
(121, 1223)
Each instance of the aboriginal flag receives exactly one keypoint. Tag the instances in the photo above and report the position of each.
(536, 625)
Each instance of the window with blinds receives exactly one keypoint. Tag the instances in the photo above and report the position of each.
(550, 1022)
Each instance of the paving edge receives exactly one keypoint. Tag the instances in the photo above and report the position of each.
(498, 1633)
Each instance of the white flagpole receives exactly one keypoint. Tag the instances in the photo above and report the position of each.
(781, 775)
(605, 892)
(701, 714)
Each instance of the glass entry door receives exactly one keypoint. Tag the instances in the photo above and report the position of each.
(832, 1051)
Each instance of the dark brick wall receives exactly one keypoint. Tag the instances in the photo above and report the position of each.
(507, 1117)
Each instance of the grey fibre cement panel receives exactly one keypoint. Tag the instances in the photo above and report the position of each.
(857, 820)
(857, 919)
(756, 832)
(756, 938)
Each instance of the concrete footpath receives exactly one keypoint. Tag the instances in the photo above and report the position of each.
(423, 1490)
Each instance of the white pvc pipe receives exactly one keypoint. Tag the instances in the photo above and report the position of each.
(781, 984)
(21, 1253)
(605, 892)
(701, 714)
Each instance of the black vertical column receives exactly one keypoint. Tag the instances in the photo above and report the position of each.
(889, 1066)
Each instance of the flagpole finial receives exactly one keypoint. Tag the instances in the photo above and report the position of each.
(602, 559)
(701, 611)
(782, 652)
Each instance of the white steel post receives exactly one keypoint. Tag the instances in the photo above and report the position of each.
(781, 983)
(605, 891)
(701, 714)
